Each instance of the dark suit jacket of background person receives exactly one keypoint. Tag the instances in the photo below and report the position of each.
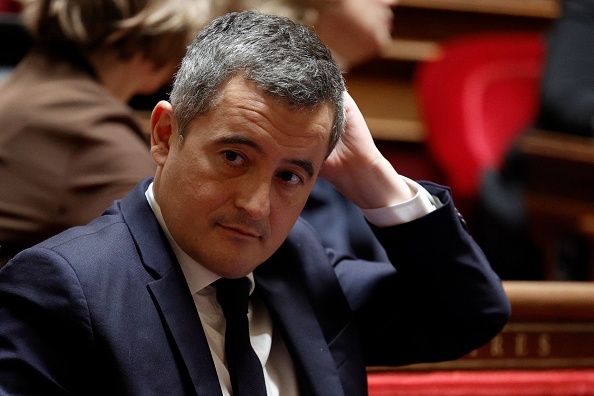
(104, 309)
(68, 149)
(567, 89)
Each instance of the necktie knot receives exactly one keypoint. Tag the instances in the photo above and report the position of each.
(233, 295)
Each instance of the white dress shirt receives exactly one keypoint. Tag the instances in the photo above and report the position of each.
(279, 372)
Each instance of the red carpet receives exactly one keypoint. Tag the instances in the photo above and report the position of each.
(479, 383)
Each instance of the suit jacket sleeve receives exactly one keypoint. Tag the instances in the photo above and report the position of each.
(438, 300)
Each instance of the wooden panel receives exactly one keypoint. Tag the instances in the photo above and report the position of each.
(388, 106)
(532, 8)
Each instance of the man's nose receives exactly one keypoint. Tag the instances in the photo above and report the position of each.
(254, 198)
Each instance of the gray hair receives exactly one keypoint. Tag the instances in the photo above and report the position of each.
(284, 58)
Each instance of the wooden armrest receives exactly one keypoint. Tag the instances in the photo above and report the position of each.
(551, 301)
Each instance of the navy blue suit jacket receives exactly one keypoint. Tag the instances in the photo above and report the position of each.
(104, 309)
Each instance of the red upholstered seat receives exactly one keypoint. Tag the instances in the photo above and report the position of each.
(475, 98)
(479, 383)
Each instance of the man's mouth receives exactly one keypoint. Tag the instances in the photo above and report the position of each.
(240, 230)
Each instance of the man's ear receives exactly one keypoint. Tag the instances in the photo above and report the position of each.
(163, 129)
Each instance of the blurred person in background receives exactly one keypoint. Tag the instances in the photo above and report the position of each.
(70, 144)
(356, 31)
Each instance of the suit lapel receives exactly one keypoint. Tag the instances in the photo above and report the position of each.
(183, 324)
(170, 292)
(281, 287)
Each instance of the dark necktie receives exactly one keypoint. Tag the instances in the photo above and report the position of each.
(245, 369)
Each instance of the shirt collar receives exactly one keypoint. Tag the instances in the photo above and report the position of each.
(197, 276)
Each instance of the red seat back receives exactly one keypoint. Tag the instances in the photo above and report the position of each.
(475, 98)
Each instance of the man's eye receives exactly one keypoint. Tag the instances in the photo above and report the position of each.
(290, 177)
(234, 158)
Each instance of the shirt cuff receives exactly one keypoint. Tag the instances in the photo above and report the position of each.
(416, 207)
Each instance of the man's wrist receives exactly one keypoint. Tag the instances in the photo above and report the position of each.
(418, 206)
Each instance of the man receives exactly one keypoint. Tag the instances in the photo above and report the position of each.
(126, 305)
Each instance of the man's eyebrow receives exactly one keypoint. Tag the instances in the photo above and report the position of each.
(240, 140)
(307, 166)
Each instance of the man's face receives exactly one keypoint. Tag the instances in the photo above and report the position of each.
(232, 191)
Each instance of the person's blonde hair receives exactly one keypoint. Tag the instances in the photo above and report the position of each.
(160, 29)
